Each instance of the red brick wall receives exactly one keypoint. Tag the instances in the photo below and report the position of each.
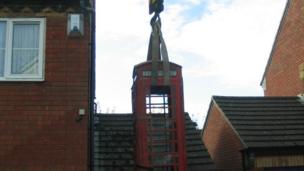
(282, 76)
(222, 142)
(37, 119)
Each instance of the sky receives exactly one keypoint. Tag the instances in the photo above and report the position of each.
(223, 46)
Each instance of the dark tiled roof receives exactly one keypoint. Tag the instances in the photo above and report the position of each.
(114, 141)
(265, 121)
(198, 158)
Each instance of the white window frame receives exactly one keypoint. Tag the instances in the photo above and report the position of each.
(8, 76)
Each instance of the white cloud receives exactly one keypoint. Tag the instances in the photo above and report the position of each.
(193, 2)
(234, 39)
(224, 51)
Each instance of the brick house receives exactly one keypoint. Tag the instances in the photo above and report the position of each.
(255, 133)
(265, 133)
(284, 73)
(46, 84)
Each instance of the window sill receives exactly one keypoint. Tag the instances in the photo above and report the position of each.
(23, 80)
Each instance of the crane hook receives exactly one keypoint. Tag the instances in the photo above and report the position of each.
(156, 7)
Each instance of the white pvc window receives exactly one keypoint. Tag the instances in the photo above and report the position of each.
(22, 49)
(2, 46)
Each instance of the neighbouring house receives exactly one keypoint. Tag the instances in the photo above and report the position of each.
(284, 73)
(265, 133)
(46, 84)
(256, 133)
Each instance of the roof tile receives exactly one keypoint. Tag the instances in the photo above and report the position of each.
(265, 121)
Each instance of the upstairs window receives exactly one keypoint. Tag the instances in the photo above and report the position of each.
(22, 49)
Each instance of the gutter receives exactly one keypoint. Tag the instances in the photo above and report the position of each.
(92, 86)
(91, 12)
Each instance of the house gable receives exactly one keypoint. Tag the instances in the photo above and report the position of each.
(265, 121)
(282, 73)
(221, 140)
(271, 129)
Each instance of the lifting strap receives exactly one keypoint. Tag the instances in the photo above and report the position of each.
(157, 52)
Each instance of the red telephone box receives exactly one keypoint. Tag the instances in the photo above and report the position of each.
(158, 111)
